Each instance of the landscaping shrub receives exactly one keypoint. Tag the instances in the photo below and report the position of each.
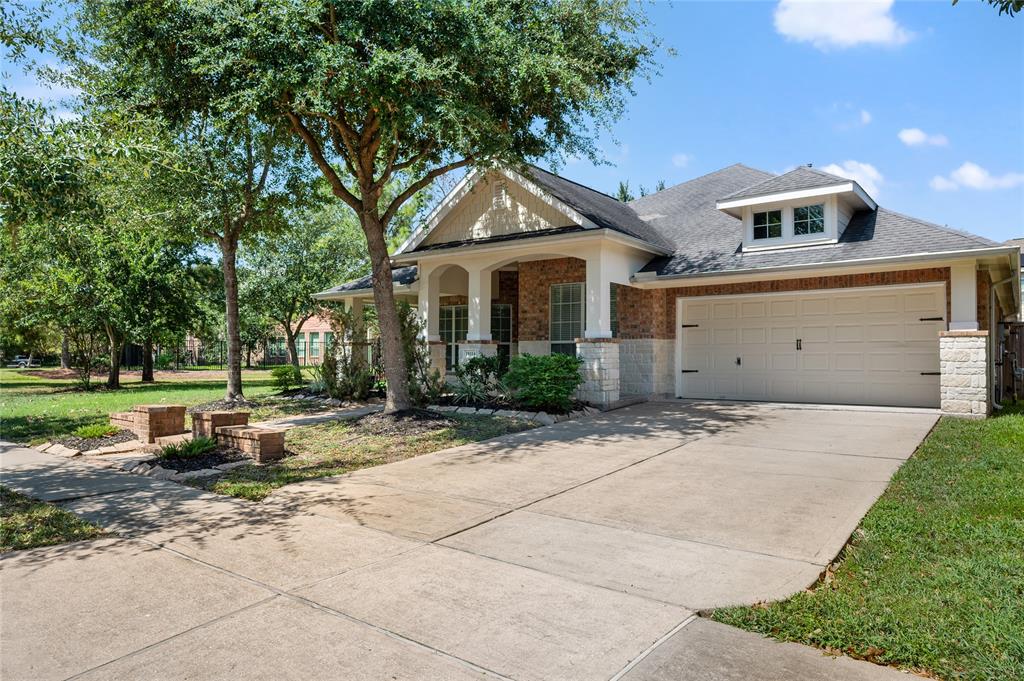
(193, 448)
(163, 361)
(478, 381)
(344, 373)
(426, 385)
(95, 431)
(286, 376)
(544, 382)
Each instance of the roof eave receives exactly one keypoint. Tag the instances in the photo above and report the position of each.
(734, 207)
(651, 277)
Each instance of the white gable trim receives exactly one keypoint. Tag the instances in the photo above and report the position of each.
(730, 206)
(466, 185)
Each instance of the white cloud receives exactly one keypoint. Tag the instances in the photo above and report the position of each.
(681, 160)
(972, 176)
(839, 23)
(941, 184)
(916, 137)
(865, 174)
(865, 116)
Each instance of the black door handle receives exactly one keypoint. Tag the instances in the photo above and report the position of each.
(739, 362)
(799, 344)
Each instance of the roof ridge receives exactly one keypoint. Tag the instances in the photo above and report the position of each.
(708, 174)
(571, 181)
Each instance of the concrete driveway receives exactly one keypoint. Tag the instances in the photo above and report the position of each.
(576, 551)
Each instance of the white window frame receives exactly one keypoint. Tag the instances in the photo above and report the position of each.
(768, 238)
(811, 235)
(551, 315)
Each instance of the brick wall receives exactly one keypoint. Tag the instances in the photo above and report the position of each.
(963, 357)
(652, 313)
(982, 292)
(535, 279)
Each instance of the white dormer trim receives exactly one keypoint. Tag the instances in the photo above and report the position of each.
(466, 184)
(734, 206)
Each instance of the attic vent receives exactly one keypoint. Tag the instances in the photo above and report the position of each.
(500, 199)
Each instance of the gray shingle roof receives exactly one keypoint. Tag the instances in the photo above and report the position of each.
(601, 209)
(801, 177)
(399, 275)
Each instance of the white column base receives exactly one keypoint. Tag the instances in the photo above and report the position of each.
(963, 381)
(469, 349)
(437, 356)
(600, 370)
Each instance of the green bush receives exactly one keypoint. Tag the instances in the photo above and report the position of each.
(187, 450)
(163, 361)
(286, 376)
(477, 381)
(96, 430)
(544, 382)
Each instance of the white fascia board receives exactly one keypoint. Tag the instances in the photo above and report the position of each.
(850, 187)
(466, 184)
(453, 254)
(652, 280)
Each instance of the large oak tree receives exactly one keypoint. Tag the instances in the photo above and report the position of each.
(381, 92)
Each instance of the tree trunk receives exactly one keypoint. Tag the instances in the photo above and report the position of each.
(65, 352)
(228, 250)
(395, 371)
(248, 356)
(147, 361)
(115, 344)
(293, 351)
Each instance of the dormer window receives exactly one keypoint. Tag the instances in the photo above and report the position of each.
(809, 220)
(768, 224)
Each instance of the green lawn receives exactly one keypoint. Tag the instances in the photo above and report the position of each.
(26, 523)
(934, 578)
(35, 408)
(337, 447)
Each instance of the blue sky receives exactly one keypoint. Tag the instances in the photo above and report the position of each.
(922, 102)
(774, 86)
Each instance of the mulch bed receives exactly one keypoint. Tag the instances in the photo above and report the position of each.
(196, 463)
(409, 422)
(223, 405)
(84, 444)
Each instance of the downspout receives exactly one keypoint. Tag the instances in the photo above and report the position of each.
(995, 331)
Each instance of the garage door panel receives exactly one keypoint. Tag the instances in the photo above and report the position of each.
(814, 334)
(847, 333)
(783, 308)
(755, 336)
(883, 303)
(863, 347)
(814, 361)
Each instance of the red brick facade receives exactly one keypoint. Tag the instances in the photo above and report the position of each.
(650, 313)
(535, 278)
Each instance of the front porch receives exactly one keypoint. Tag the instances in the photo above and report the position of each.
(535, 303)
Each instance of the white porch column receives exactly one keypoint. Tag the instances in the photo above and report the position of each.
(599, 296)
(429, 302)
(479, 304)
(963, 286)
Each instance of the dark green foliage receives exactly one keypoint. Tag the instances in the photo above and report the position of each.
(478, 382)
(193, 448)
(426, 385)
(95, 430)
(545, 382)
(286, 376)
(1008, 7)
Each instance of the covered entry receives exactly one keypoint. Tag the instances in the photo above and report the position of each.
(874, 345)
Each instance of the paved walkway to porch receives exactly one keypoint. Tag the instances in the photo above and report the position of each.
(577, 551)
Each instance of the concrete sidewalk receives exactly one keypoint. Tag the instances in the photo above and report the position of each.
(577, 551)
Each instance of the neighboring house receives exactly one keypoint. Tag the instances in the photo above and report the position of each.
(309, 342)
(740, 284)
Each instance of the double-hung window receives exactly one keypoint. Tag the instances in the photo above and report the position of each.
(768, 224)
(614, 310)
(566, 310)
(809, 220)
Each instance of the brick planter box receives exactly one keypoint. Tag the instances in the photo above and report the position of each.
(261, 444)
(150, 421)
(206, 423)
